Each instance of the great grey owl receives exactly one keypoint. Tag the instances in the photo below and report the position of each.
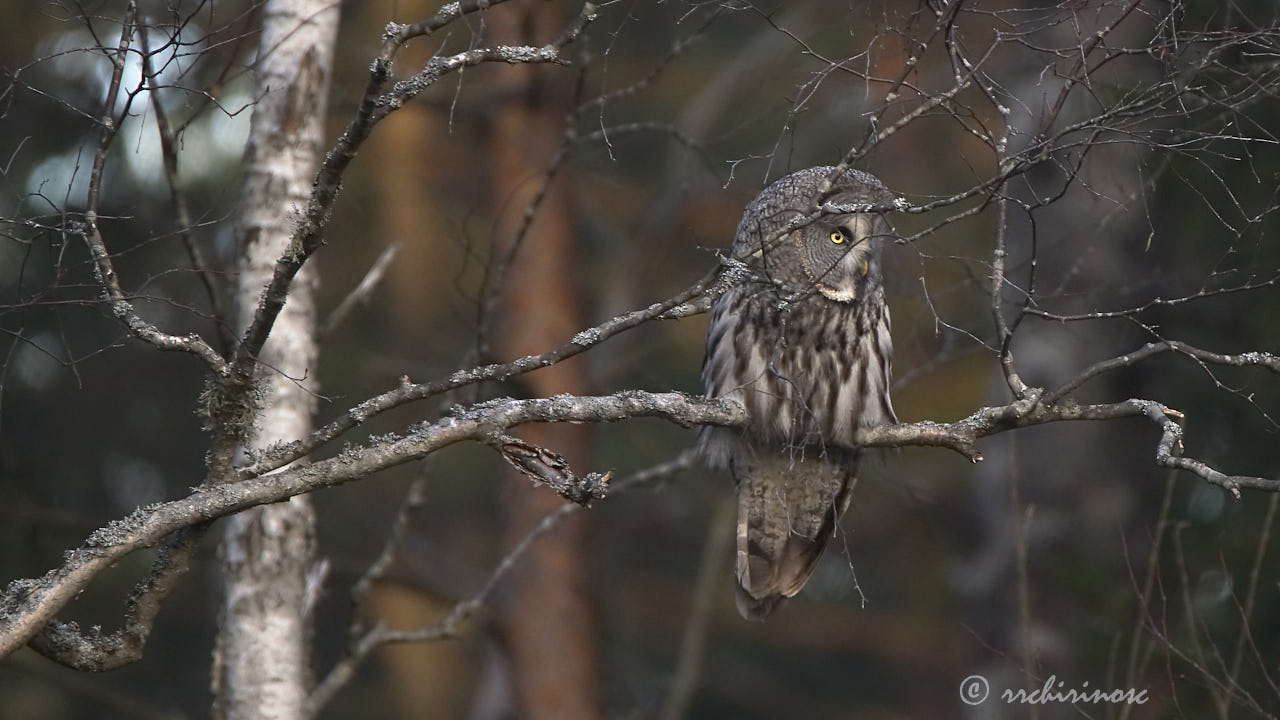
(803, 343)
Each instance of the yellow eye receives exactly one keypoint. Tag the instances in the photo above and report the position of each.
(866, 266)
(837, 236)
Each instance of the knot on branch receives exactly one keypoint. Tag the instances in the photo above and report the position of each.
(551, 469)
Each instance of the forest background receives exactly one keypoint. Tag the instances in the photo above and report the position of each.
(1107, 171)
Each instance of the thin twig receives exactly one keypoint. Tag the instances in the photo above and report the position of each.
(1244, 636)
(711, 572)
(373, 108)
(1004, 336)
(182, 211)
(1249, 359)
(364, 290)
(692, 300)
(1134, 664)
(365, 641)
(103, 267)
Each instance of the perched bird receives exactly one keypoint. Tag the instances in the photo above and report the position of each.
(803, 343)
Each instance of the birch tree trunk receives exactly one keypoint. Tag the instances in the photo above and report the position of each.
(262, 665)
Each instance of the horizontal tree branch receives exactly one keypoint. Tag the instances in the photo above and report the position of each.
(28, 605)
(1248, 359)
(693, 300)
(1159, 302)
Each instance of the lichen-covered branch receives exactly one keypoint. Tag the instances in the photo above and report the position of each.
(27, 605)
(68, 645)
(695, 299)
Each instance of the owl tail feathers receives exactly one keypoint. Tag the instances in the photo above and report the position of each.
(764, 583)
(787, 512)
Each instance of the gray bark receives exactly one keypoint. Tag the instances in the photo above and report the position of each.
(262, 661)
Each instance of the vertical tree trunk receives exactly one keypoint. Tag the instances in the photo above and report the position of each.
(262, 664)
(547, 619)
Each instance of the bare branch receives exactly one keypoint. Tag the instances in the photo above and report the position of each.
(182, 212)
(1004, 336)
(373, 108)
(365, 642)
(711, 569)
(693, 300)
(68, 645)
(1154, 303)
(365, 289)
(28, 604)
(1259, 359)
(103, 267)
(397, 35)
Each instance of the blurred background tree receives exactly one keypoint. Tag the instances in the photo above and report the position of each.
(1121, 151)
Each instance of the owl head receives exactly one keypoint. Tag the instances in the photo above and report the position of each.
(836, 255)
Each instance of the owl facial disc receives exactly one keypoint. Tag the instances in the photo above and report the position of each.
(838, 257)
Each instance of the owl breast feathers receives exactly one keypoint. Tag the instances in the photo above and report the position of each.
(803, 343)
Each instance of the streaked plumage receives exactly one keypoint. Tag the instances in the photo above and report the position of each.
(804, 344)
